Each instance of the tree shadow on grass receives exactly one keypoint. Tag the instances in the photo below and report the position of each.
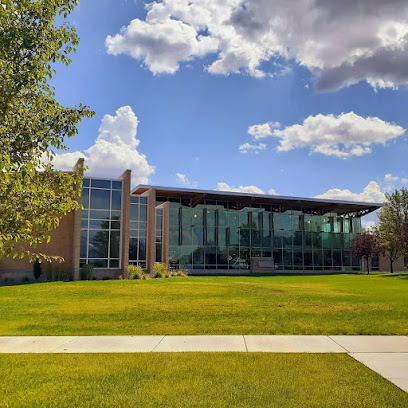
(399, 275)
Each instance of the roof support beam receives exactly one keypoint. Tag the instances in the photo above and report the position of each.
(197, 199)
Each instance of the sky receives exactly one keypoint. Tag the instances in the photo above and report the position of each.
(290, 97)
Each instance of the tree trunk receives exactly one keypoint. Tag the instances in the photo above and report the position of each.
(368, 266)
(391, 266)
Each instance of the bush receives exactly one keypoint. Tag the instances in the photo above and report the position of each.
(135, 272)
(37, 269)
(181, 274)
(87, 272)
(160, 270)
(49, 273)
(62, 274)
(25, 279)
(107, 277)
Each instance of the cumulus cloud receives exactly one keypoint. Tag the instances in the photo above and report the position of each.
(182, 178)
(247, 147)
(114, 150)
(243, 189)
(262, 130)
(347, 134)
(372, 194)
(341, 43)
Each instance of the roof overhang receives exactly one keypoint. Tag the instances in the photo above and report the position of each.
(323, 206)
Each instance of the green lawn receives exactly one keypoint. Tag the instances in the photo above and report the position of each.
(193, 380)
(339, 304)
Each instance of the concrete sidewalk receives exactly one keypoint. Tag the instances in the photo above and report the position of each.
(386, 355)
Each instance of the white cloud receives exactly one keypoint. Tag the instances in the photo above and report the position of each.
(182, 178)
(340, 42)
(241, 189)
(372, 194)
(114, 151)
(161, 43)
(247, 147)
(262, 130)
(272, 192)
(341, 136)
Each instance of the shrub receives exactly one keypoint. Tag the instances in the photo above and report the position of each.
(160, 270)
(87, 272)
(62, 274)
(107, 277)
(37, 269)
(25, 279)
(181, 274)
(135, 272)
(49, 273)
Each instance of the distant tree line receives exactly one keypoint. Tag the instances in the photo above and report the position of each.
(389, 237)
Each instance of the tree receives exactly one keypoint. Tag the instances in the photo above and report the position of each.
(33, 197)
(37, 269)
(366, 246)
(401, 203)
(390, 231)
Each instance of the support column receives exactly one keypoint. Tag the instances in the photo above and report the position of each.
(76, 245)
(165, 232)
(125, 226)
(151, 229)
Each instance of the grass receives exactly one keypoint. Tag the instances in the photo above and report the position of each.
(193, 380)
(339, 304)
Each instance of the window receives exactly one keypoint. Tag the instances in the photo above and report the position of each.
(101, 223)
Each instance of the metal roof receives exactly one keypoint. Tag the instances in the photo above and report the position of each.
(288, 202)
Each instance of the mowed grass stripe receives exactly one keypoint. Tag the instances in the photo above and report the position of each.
(336, 304)
(193, 380)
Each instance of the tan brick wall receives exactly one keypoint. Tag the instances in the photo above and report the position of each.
(61, 244)
(151, 228)
(126, 180)
(384, 265)
(65, 242)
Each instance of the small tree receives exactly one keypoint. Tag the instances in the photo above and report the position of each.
(365, 246)
(34, 36)
(390, 228)
(37, 269)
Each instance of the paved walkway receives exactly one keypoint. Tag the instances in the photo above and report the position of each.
(386, 355)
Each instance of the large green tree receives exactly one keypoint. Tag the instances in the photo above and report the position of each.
(392, 217)
(34, 36)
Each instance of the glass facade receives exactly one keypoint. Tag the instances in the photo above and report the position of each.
(159, 234)
(221, 235)
(101, 223)
(138, 231)
(215, 234)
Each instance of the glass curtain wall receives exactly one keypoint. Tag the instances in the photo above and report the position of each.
(101, 222)
(138, 231)
(219, 235)
(159, 234)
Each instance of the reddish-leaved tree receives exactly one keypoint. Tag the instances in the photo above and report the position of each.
(366, 246)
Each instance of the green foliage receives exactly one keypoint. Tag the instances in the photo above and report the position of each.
(390, 230)
(87, 272)
(49, 272)
(33, 198)
(160, 270)
(37, 269)
(62, 274)
(135, 272)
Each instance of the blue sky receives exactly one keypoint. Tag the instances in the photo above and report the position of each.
(192, 114)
